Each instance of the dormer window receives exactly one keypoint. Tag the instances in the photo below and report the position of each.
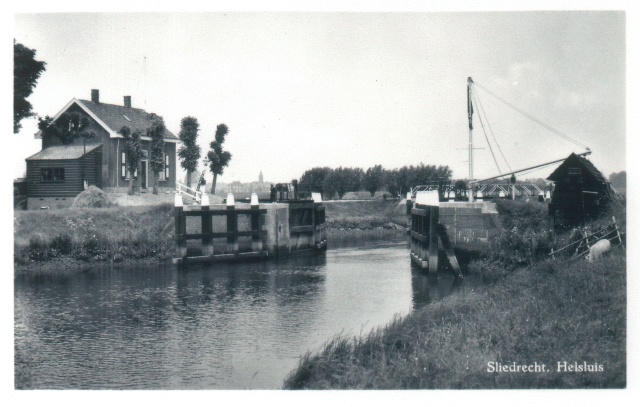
(126, 117)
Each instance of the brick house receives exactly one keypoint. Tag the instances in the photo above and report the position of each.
(55, 174)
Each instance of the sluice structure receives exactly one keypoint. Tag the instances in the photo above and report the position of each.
(233, 232)
(434, 225)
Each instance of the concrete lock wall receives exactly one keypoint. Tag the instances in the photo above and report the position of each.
(277, 226)
(237, 236)
(469, 224)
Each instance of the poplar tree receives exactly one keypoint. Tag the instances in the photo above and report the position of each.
(189, 152)
(133, 155)
(156, 154)
(218, 158)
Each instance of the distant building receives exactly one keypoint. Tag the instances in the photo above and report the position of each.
(580, 192)
(55, 174)
(245, 188)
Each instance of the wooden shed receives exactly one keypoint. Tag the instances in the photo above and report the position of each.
(54, 175)
(580, 192)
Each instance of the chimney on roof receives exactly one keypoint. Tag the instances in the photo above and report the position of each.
(95, 95)
(127, 101)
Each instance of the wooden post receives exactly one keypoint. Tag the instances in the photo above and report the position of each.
(181, 228)
(448, 248)
(615, 224)
(232, 226)
(434, 217)
(256, 242)
(423, 224)
(207, 228)
(314, 222)
(409, 217)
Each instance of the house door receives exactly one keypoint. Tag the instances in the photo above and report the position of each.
(143, 174)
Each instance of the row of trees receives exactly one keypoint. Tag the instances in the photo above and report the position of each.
(332, 182)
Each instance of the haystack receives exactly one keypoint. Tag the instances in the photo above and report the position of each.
(92, 197)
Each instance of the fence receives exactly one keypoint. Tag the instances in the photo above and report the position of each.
(188, 191)
(580, 247)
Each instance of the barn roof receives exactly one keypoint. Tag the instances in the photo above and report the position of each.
(64, 152)
(575, 160)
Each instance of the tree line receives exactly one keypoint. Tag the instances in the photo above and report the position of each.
(337, 182)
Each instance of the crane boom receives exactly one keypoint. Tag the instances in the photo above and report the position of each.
(526, 169)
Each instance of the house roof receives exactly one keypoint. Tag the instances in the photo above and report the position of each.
(117, 116)
(113, 117)
(64, 152)
(575, 160)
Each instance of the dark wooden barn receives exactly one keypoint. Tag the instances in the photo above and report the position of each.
(580, 192)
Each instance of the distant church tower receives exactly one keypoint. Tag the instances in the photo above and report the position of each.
(260, 178)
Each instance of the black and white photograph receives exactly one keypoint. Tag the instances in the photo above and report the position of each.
(324, 197)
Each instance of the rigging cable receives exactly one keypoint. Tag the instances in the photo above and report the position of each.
(546, 126)
(487, 138)
(491, 130)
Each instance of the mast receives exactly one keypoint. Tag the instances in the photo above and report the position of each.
(470, 114)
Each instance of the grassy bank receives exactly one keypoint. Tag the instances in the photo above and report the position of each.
(548, 313)
(93, 235)
(358, 218)
(71, 238)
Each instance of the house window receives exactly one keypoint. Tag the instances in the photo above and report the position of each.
(124, 168)
(52, 174)
(166, 166)
(575, 170)
(124, 165)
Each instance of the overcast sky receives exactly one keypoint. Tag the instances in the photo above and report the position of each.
(300, 90)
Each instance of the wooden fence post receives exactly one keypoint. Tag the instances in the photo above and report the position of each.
(448, 248)
(434, 217)
(615, 224)
(409, 216)
(423, 226)
(232, 225)
(256, 242)
(207, 229)
(181, 227)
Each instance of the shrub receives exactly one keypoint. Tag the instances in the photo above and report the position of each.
(62, 244)
(38, 248)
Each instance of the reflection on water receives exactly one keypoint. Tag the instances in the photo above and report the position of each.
(226, 326)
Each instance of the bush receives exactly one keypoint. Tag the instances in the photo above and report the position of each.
(38, 248)
(61, 244)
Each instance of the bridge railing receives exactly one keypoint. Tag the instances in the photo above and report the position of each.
(489, 190)
(188, 191)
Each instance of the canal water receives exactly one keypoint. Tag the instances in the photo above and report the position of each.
(225, 326)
